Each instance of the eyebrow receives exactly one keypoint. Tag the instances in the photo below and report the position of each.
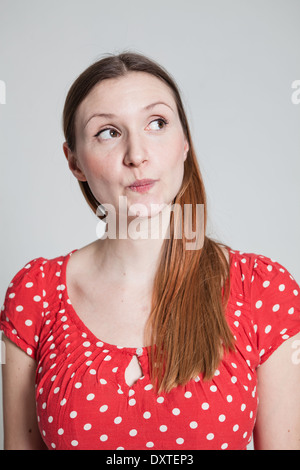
(109, 115)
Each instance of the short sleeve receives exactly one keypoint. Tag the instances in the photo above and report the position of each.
(22, 311)
(275, 305)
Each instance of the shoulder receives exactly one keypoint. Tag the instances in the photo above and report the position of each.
(36, 274)
(271, 297)
(260, 271)
(27, 299)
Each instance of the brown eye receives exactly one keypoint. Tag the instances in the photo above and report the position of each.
(107, 134)
(161, 123)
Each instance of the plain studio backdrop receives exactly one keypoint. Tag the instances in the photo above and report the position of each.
(235, 61)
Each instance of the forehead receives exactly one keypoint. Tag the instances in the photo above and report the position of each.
(126, 94)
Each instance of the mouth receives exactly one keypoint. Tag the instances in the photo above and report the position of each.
(142, 186)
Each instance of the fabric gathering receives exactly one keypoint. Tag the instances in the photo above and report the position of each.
(83, 400)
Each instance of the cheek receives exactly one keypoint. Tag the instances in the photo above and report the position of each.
(99, 175)
(179, 167)
(175, 158)
(95, 167)
(171, 165)
(175, 148)
(178, 177)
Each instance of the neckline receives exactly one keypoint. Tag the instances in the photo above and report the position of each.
(83, 327)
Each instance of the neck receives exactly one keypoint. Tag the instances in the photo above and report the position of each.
(134, 258)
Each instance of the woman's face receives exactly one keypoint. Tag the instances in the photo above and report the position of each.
(128, 129)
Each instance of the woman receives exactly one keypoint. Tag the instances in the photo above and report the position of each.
(141, 343)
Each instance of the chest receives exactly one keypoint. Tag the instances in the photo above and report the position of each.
(115, 314)
(89, 397)
(87, 403)
(118, 316)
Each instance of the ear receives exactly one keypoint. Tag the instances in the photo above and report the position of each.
(72, 161)
(186, 149)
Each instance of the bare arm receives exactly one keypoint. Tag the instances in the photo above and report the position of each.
(19, 410)
(278, 419)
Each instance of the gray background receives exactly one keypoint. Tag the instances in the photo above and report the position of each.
(234, 61)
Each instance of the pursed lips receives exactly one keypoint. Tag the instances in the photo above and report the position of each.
(142, 186)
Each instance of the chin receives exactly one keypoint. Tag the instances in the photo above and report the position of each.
(146, 210)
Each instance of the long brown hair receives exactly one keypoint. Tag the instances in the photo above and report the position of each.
(186, 332)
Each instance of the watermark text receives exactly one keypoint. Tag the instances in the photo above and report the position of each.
(2, 92)
(296, 94)
(140, 221)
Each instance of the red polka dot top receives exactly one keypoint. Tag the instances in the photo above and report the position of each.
(82, 398)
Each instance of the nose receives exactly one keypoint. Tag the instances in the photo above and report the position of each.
(135, 152)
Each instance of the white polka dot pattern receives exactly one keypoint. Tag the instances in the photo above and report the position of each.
(83, 401)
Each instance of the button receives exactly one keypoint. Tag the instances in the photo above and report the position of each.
(139, 351)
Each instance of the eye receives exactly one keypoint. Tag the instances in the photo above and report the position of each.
(161, 123)
(110, 133)
(107, 134)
